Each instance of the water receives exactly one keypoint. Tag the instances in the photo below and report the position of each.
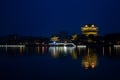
(59, 63)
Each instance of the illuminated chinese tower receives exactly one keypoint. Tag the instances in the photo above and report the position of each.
(89, 29)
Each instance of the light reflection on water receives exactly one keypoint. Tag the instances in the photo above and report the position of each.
(90, 59)
(56, 51)
(117, 49)
(88, 55)
(100, 62)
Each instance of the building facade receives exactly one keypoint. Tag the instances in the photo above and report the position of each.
(89, 29)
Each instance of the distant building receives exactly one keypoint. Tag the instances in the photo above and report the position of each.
(54, 38)
(89, 29)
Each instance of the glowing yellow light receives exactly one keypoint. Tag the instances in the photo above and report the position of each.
(55, 38)
(87, 30)
(86, 25)
(89, 60)
(86, 65)
(93, 65)
(74, 36)
(93, 26)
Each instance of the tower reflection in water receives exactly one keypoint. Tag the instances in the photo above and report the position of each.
(90, 59)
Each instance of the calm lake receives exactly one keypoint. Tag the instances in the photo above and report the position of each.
(60, 63)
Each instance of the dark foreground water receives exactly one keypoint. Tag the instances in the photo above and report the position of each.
(60, 63)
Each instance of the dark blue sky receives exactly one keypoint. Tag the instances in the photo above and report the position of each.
(44, 17)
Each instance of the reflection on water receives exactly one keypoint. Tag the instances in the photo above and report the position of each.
(73, 51)
(110, 50)
(57, 51)
(13, 49)
(88, 55)
(117, 49)
(39, 49)
(21, 49)
(101, 62)
(90, 59)
(103, 50)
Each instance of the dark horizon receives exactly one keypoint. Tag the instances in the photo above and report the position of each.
(55, 33)
(44, 17)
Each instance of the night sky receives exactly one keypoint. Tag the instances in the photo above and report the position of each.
(45, 17)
